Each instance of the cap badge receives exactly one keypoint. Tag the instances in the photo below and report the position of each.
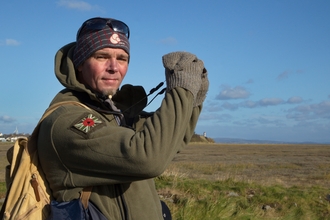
(115, 39)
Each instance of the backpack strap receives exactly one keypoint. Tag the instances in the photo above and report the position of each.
(32, 148)
(58, 104)
(86, 192)
(34, 136)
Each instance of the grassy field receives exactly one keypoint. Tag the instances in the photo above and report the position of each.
(246, 181)
(243, 181)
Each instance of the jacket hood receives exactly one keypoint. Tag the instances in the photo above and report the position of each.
(65, 71)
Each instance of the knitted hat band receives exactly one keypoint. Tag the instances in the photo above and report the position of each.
(91, 41)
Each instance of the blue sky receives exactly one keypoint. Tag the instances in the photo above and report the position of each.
(268, 60)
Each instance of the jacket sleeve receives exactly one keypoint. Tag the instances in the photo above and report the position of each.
(113, 154)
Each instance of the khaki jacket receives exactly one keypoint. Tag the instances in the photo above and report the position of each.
(80, 147)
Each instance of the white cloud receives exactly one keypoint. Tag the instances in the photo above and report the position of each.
(270, 120)
(294, 100)
(322, 109)
(270, 101)
(249, 104)
(283, 75)
(213, 107)
(214, 116)
(250, 81)
(301, 123)
(252, 104)
(286, 74)
(310, 112)
(12, 42)
(169, 41)
(73, 4)
(230, 106)
(237, 92)
(6, 119)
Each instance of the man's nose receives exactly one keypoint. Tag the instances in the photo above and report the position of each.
(112, 65)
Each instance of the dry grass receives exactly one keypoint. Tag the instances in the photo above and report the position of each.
(246, 181)
(267, 164)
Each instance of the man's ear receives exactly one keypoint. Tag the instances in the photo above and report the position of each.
(79, 68)
(78, 73)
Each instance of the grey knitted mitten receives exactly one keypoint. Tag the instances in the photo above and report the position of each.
(183, 69)
(201, 95)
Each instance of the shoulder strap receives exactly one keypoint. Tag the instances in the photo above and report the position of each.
(53, 107)
(86, 192)
(33, 138)
(32, 147)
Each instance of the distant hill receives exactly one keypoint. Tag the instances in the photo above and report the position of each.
(246, 141)
(200, 138)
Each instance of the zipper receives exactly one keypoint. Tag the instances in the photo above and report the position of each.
(35, 186)
(38, 190)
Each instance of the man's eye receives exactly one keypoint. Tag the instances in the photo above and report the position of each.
(100, 57)
(123, 59)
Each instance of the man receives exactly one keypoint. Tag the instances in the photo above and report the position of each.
(117, 152)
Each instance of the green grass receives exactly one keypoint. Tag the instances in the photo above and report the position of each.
(2, 192)
(191, 199)
(2, 189)
(195, 199)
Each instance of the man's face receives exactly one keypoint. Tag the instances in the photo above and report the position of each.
(104, 71)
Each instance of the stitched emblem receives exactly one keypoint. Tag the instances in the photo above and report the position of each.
(87, 123)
